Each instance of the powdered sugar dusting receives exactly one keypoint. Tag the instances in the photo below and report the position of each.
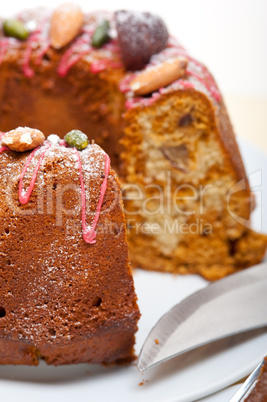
(91, 169)
(53, 138)
(197, 76)
(129, 25)
(140, 35)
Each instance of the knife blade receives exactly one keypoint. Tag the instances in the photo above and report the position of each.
(235, 304)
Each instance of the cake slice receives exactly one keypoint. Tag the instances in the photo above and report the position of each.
(66, 288)
(188, 201)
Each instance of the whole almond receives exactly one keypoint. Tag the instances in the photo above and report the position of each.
(158, 76)
(23, 139)
(66, 23)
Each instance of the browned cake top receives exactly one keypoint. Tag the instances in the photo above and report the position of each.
(90, 164)
(150, 61)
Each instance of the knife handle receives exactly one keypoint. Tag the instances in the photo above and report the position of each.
(241, 392)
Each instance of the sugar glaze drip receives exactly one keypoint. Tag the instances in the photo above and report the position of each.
(4, 43)
(82, 47)
(25, 196)
(89, 235)
(34, 39)
(195, 69)
(2, 149)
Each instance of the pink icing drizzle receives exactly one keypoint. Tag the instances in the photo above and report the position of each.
(130, 103)
(124, 85)
(42, 52)
(208, 84)
(27, 70)
(2, 149)
(173, 49)
(207, 80)
(3, 48)
(63, 143)
(75, 52)
(35, 39)
(184, 84)
(89, 235)
(82, 46)
(25, 196)
(101, 65)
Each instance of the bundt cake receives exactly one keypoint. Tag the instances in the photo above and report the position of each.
(122, 79)
(66, 289)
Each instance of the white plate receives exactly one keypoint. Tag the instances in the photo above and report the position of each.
(221, 396)
(185, 378)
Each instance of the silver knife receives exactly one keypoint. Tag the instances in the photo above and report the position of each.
(232, 305)
(245, 387)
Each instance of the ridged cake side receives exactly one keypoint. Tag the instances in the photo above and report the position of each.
(63, 300)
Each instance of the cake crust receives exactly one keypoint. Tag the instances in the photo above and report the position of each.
(64, 300)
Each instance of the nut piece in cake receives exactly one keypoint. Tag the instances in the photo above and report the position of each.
(101, 34)
(157, 77)
(23, 139)
(66, 23)
(77, 139)
(15, 29)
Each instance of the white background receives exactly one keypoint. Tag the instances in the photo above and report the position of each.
(229, 36)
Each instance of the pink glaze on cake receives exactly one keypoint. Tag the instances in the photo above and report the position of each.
(75, 52)
(4, 43)
(101, 65)
(36, 39)
(82, 47)
(206, 79)
(25, 196)
(214, 92)
(89, 235)
(2, 149)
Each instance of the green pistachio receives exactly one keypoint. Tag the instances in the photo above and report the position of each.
(101, 34)
(77, 139)
(15, 28)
